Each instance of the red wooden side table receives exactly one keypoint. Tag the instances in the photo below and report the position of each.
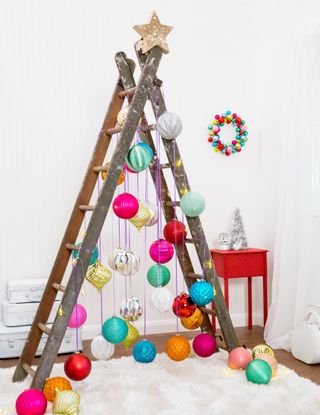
(248, 263)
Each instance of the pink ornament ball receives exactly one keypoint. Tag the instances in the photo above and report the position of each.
(215, 129)
(125, 206)
(161, 251)
(217, 116)
(31, 402)
(234, 142)
(243, 128)
(239, 358)
(204, 345)
(78, 317)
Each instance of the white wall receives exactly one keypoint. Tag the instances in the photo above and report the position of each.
(57, 73)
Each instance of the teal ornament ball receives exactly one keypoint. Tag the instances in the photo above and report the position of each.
(114, 330)
(94, 256)
(144, 351)
(139, 157)
(259, 371)
(158, 275)
(201, 293)
(192, 204)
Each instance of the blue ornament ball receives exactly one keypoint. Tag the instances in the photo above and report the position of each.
(144, 351)
(201, 293)
(192, 204)
(114, 330)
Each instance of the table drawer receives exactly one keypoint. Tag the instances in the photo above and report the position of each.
(239, 265)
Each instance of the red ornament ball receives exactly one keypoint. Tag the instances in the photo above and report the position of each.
(77, 366)
(183, 306)
(210, 139)
(175, 231)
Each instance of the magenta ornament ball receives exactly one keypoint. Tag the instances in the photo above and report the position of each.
(161, 251)
(125, 206)
(31, 402)
(204, 345)
(239, 358)
(78, 317)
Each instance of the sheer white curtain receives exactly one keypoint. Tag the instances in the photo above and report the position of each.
(296, 278)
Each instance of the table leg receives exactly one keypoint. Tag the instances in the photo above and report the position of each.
(226, 291)
(265, 299)
(249, 303)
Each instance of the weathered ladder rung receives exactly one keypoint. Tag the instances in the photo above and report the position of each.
(44, 328)
(100, 169)
(127, 93)
(72, 247)
(150, 127)
(28, 369)
(207, 311)
(59, 287)
(196, 276)
(113, 131)
(190, 241)
(87, 208)
(165, 166)
(173, 203)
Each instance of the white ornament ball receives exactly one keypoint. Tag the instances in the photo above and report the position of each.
(154, 213)
(101, 349)
(131, 309)
(161, 300)
(169, 125)
(125, 262)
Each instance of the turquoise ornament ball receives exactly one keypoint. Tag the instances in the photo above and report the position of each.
(139, 157)
(158, 275)
(114, 330)
(192, 204)
(201, 293)
(144, 351)
(259, 371)
(94, 256)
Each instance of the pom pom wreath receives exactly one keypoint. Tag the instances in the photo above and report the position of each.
(183, 306)
(139, 157)
(31, 402)
(101, 349)
(104, 174)
(144, 351)
(175, 232)
(161, 251)
(78, 316)
(194, 321)
(239, 358)
(132, 337)
(204, 345)
(178, 348)
(131, 309)
(271, 360)
(161, 300)
(259, 371)
(60, 383)
(94, 256)
(125, 262)
(114, 330)
(169, 125)
(66, 403)
(201, 293)
(77, 367)
(158, 275)
(125, 206)
(192, 204)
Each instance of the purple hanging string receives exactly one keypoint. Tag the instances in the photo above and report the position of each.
(100, 257)
(183, 243)
(113, 273)
(146, 190)
(76, 303)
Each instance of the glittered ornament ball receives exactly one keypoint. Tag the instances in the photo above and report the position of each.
(175, 232)
(194, 321)
(178, 348)
(125, 206)
(259, 371)
(201, 293)
(31, 402)
(262, 348)
(158, 275)
(114, 330)
(77, 367)
(161, 251)
(144, 351)
(239, 358)
(78, 316)
(204, 345)
(192, 204)
(183, 306)
(60, 383)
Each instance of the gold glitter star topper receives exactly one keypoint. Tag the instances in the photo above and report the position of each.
(153, 34)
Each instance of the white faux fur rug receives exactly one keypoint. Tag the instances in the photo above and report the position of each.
(195, 386)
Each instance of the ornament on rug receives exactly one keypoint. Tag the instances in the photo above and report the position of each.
(144, 351)
(104, 174)
(139, 157)
(77, 367)
(161, 251)
(132, 337)
(158, 275)
(125, 262)
(239, 358)
(122, 115)
(238, 234)
(194, 321)
(262, 348)
(192, 204)
(154, 213)
(52, 384)
(161, 300)
(169, 125)
(175, 232)
(271, 360)
(259, 371)
(101, 349)
(131, 309)
(125, 206)
(66, 403)
(183, 306)
(94, 256)
(98, 275)
(223, 241)
(78, 317)
(204, 345)
(178, 348)
(141, 218)
(241, 133)
(31, 402)
(114, 330)
(201, 293)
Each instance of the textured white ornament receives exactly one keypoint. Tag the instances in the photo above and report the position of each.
(169, 125)
(131, 309)
(122, 116)
(154, 213)
(125, 262)
(161, 300)
(101, 349)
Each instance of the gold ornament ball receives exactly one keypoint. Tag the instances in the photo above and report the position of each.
(269, 359)
(194, 321)
(238, 145)
(132, 336)
(178, 348)
(52, 384)
(262, 348)
(66, 403)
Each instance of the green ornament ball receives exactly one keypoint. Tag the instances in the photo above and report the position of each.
(158, 275)
(139, 157)
(192, 204)
(259, 371)
(94, 257)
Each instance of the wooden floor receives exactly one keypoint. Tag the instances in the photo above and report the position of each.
(250, 338)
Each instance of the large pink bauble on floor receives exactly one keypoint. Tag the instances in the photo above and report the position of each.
(204, 345)
(161, 251)
(78, 317)
(125, 206)
(239, 358)
(31, 402)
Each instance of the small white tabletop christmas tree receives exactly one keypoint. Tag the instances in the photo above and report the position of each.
(238, 234)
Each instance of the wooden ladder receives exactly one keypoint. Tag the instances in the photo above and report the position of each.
(148, 87)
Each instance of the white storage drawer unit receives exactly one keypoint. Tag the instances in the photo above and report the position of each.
(27, 291)
(23, 314)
